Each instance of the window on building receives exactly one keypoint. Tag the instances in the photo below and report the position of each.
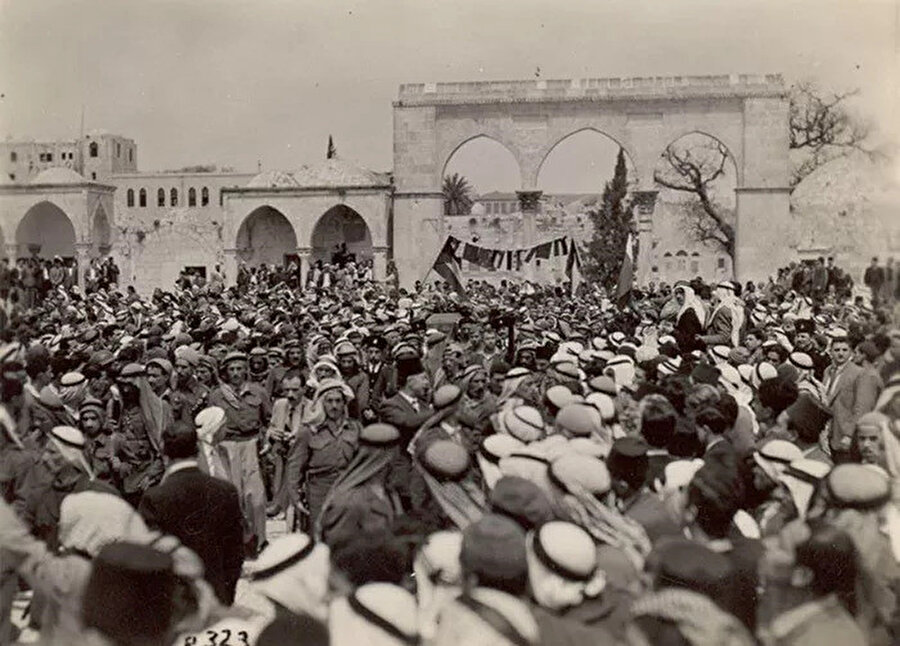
(161, 197)
(721, 263)
(695, 267)
(94, 149)
(12, 177)
(173, 197)
(118, 149)
(192, 196)
(93, 175)
(13, 156)
(131, 154)
(142, 197)
(204, 196)
(130, 197)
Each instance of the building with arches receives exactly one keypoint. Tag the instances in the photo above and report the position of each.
(157, 224)
(747, 114)
(59, 213)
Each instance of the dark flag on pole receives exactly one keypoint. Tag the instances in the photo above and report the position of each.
(626, 276)
(332, 151)
(447, 265)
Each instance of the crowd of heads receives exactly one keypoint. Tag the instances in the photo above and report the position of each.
(706, 464)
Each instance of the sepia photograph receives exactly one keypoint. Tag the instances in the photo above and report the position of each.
(450, 322)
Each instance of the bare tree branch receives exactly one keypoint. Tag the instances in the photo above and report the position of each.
(693, 171)
(822, 129)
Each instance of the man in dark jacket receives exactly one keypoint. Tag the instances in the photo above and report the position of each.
(202, 511)
(874, 279)
(407, 411)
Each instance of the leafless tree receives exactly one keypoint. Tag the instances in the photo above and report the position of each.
(822, 128)
(693, 169)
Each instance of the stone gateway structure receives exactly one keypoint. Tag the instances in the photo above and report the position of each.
(747, 114)
(156, 224)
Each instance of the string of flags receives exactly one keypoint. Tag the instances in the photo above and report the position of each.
(511, 259)
(454, 250)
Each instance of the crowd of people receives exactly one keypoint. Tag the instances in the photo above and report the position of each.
(707, 465)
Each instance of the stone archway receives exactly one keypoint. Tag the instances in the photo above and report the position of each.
(748, 113)
(341, 225)
(46, 231)
(265, 236)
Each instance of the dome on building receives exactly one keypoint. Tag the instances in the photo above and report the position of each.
(58, 175)
(272, 179)
(338, 172)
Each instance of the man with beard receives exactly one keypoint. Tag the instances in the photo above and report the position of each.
(258, 363)
(293, 361)
(805, 342)
(188, 396)
(246, 407)
(349, 365)
(376, 369)
(100, 371)
(451, 366)
(142, 420)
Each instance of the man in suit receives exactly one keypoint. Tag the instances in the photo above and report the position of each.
(407, 411)
(202, 511)
(711, 427)
(628, 463)
(724, 322)
(846, 394)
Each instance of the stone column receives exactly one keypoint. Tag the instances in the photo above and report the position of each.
(530, 205)
(231, 266)
(765, 238)
(379, 263)
(305, 255)
(12, 252)
(644, 205)
(82, 259)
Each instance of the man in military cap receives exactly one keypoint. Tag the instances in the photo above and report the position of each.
(247, 411)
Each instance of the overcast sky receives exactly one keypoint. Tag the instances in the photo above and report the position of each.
(234, 82)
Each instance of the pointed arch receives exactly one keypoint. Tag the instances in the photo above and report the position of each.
(46, 230)
(561, 141)
(341, 225)
(265, 236)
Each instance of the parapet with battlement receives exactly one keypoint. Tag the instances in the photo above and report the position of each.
(596, 89)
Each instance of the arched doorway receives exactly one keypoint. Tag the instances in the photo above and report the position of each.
(266, 236)
(341, 225)
(46, 231)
